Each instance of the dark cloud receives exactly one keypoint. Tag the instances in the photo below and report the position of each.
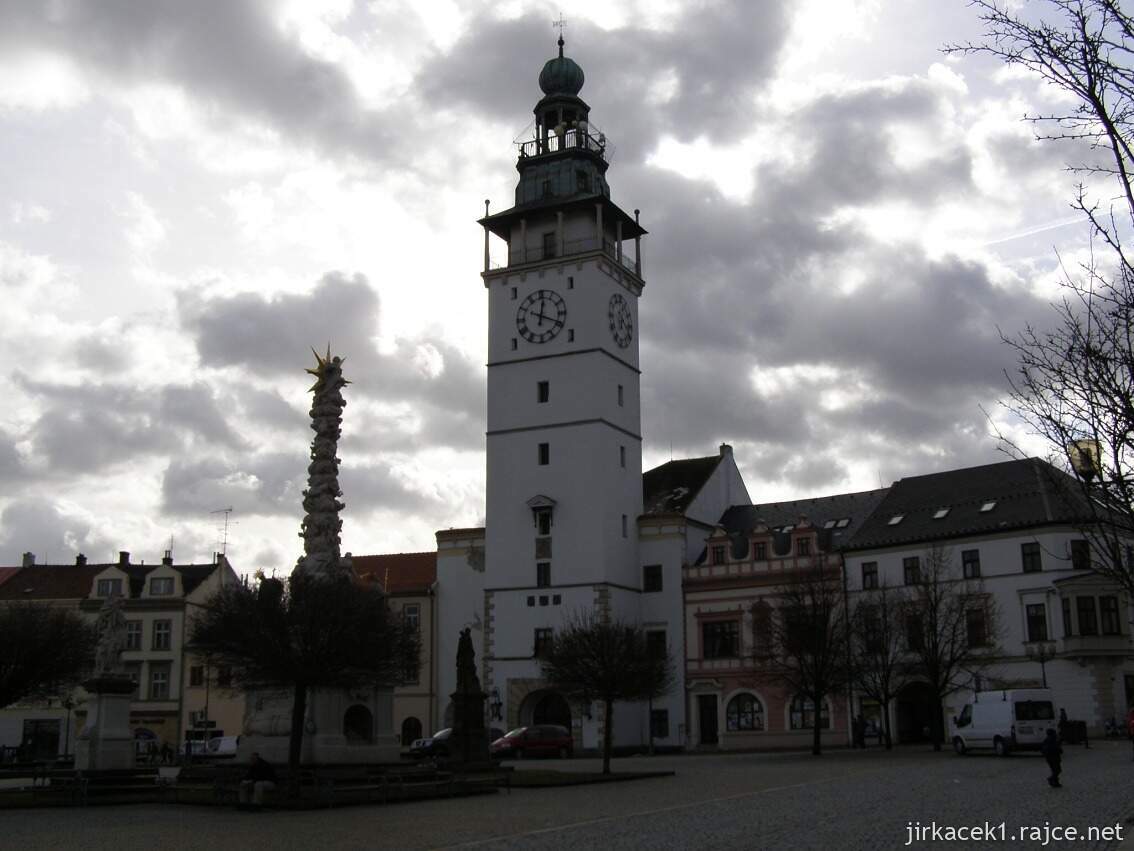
(228, 53)
(267, 484)
(42, 527)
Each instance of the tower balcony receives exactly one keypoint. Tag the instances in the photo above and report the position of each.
(522, 255)
(572, 139)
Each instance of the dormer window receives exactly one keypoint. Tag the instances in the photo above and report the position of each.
(803, 546)
(941, 513)
(761, 551)
(896, 519)
(988, 506)
(109, 588)
(161, 586)
(717, 554)
(830, 524)
(843, 523)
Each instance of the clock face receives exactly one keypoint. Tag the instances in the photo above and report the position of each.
(621, 321)
(541, 316)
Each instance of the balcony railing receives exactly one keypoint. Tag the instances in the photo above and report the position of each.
(556, 142)
(571, 247)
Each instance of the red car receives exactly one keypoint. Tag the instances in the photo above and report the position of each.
(538, 740)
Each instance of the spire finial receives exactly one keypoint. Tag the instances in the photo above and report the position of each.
(561, 23)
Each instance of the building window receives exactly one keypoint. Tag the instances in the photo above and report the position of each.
(109, 588)
(803, 715)
(161, 586)
(659, 723)
(941, 513)
(976, 627)
(531, 600)
(582, 180)
(744, 712)
(803, 546)
(543, 574)
(196, 675)
(163, 635)
(133, 672)
(1030, 557)
(411, 615)
(542, 642)
(911, 570)
(624, 526)
(1036, 614)
(549, 237)
(718, 554)
(514, 294)
(622, 456)
(656, 646)
(762, 628)
(159, 682)
(720, 640)
(760, 551)
(1088, 620)
(869, 575)
(1067, 631)
(543, 521)
(544, 454)
(570, 335)
(1108, 616)
(970, 564)
(515, 344)
(1080, 554)
(621, 397)
(543, 391)
(652, 578)
(570, 282)
(133, 635)
(913, 633)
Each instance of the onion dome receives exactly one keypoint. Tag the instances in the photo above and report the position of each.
(561, 75)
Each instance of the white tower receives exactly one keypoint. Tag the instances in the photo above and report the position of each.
(564, 447)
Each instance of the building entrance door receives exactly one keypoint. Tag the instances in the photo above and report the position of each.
(707, 717)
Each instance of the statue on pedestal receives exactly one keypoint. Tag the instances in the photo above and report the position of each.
(111, 629)
(468, 742)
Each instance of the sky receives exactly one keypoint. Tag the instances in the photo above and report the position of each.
(843, 221)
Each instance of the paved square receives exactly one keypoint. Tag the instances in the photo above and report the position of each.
(843, 800)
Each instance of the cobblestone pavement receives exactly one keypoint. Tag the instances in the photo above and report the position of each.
(843, 800)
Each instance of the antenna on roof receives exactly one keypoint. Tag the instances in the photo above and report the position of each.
(224, 536)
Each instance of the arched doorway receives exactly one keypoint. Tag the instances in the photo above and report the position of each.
(358, 724)
(913, 710)
(546, 707)
(411, 729)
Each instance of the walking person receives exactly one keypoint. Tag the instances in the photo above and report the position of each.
(1053, 753)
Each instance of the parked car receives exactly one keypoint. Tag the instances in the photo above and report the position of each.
(432, 746)
(537, 740)
(223, 747)
(1008, 720)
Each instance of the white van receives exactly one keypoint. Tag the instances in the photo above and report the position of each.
(1008, 720)
(223, 747)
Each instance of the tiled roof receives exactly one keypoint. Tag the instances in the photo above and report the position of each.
(7, 573)
(398, 572)
(51, 582)
(1024, 493)
(844, 513)
(671, 487)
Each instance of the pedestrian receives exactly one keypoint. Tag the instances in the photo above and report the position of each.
(260, 779)
(166, 753)
(1053, 753)
(860, 732)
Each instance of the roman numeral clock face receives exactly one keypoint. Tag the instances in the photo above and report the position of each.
(541, 316)
(621, 321)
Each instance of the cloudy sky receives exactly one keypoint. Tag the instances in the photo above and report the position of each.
(193, 194)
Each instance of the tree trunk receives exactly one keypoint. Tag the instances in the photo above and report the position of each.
(816, 737)
(295, 742)
(886, 725)
(937, 730)
(607, 735)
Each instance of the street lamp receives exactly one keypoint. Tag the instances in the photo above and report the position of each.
(1084, 456)
(1042, 652)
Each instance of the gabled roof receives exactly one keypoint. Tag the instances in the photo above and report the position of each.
(672, 487)
(836, 518)
(51, 582)
(7, 573)
(398, 572)
(1025, 493)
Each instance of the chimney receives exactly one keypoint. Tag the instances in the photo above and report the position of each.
(123, 557)
(726, 450)
(80, 560)
(29, 559)
(168, 557)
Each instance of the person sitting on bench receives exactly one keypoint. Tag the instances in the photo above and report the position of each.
(261, 778)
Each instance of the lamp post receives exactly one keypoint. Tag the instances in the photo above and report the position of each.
(1042, 652)
(496, 705)
(68, 703)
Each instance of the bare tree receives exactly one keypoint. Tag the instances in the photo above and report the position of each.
(879, 660)
(597, 658)
(811, 634)
(951, 627)
(1074, 386)
(304, 635)
(44, 651)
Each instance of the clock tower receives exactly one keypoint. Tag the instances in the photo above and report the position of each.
(564, 446)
